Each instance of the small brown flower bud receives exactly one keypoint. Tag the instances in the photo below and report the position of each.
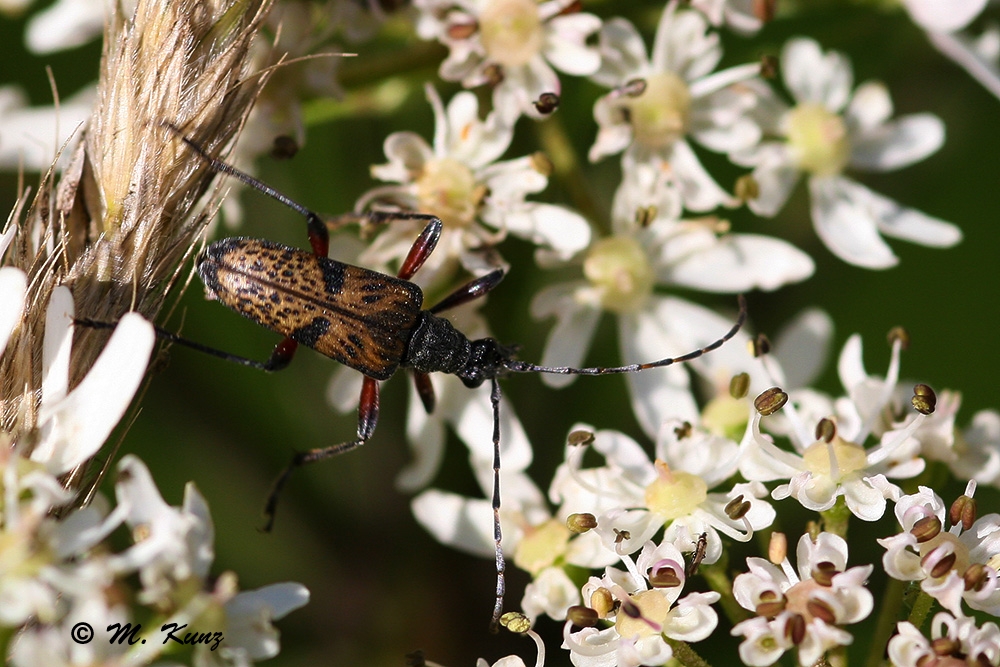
(942, 567)
(602, 602)
(826, 430)
(664, 577)
(739, 385)
(924, 399)
(737, 508)
(770, 401)
(795, 629)
(582, 617)
(963, 511)
(580, 437)
(581, 522)
(516, 622)
(900, 334)
(926, 529)
(777, 549)
(821, 610)
(976, 577)
(824, 573)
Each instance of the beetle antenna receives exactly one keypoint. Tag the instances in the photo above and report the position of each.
(517, 366)
(497, 535)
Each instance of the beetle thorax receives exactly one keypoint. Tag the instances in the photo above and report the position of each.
(437, 347)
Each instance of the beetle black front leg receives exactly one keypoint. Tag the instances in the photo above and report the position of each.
(367, 420)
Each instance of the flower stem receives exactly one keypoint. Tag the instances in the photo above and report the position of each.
(836, 519)
(921, 607)
(720, 582)
(888, 616)
(685, 655)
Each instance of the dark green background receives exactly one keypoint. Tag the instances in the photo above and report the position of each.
(380, 586)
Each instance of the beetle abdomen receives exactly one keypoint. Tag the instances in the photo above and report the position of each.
(359, 317)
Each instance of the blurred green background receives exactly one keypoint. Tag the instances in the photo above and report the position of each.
(381, 587)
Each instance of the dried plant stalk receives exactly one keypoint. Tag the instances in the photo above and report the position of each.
(132, 205)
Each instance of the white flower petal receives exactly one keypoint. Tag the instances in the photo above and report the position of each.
(683, 45)
(813, 76)
(13, 288)
(943, 15)
(65, 25)
(550, 226)
(623, 53)
(57, 343)
(565, 43)
(699, 190)
(570, 338)
(901, 222)
(897, 144)
(75, 428)
(249, 615)
(462, 523)
(739, 263)
(846, 225)
(803, 346)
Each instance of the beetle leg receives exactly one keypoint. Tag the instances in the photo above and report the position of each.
(471, 290)
(367, 420)
(425, 390)
(421, 249)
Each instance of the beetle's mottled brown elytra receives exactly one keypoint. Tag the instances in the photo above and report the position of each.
(361, 318)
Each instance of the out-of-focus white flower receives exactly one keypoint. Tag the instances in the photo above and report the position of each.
(954, 565)
(743, 16)
(621, 273)
(250, 635)
(659, 100)
(31, 136)
(645, 605)
(831, 458)
(954, 641)
(944, 15)
(976, 449)
(828, 130)
(479, 199)
(801, 610)
(512, 45)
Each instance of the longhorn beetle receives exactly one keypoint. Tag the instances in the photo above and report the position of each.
(369, 321)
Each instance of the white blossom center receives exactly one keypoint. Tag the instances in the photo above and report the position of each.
(653, 608)
(675, 493)
(818, 139)
(835, 459)
(619, 268)
(447, 188)
(659, 116)
(511, 31)
(541, 546)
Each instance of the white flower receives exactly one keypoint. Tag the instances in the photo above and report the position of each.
(829, 130)
(512, 45)
(831, 458)
(646, 609)
(956, 641)
(479, 199)
(954, 565)
(634, 498)
(250, 634)
(743, 16)
(31, 136)
(944, 15)
(802, 610)
(621, 272)
(976, 449)
(659, 100)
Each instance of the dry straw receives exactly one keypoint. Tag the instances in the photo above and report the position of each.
(134, 202)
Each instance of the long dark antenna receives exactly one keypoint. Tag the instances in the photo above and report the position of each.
(517, 366)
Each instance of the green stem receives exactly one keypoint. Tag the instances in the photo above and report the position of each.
(836, 519)
(888, 616)
(921, 607)
(685, 655)
(719, 581)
